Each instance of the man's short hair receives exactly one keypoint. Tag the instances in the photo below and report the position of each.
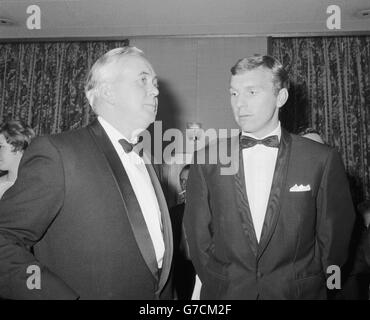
(302, 131)
(280, 75)
(184, 169)
(93, 77)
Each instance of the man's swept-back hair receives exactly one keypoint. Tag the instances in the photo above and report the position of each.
(280, 75)
(307, 130)
(93, 77)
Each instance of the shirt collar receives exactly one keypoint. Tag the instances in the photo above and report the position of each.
(112, 132)
(275, 132)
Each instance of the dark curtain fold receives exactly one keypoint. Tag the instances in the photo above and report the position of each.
(42, 83)
(331, 93)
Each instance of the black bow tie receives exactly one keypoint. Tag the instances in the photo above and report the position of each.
(127, 146)
(248, 142)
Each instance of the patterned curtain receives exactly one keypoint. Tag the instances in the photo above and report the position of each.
(42, 83)
(331, 93)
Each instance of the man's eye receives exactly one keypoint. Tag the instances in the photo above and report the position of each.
(253, 92)
(233, 93)
(144, 80)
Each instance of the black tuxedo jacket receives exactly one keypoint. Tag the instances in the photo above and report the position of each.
(73, 204)
(303, 232)
(366, 248)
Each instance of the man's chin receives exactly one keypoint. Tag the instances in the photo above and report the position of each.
(245, 126)
(147, 123)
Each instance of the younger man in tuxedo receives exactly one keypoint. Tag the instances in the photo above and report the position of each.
(271, 230)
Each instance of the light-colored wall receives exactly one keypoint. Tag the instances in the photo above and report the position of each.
(117, 18)
(194, 76)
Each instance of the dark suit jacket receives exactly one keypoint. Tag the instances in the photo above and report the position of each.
(303, 232)
(366, 250)
(74, 205)
(183, 269)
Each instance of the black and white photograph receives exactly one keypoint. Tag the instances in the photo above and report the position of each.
(177, 153)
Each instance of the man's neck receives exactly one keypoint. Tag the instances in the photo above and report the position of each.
(275, 131)
(128, 132)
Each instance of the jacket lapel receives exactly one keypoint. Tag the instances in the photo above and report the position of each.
(129, 200)
(166, 223)
(277, 187)
(242, 199)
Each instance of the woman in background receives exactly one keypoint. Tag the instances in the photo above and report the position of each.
(14, 139)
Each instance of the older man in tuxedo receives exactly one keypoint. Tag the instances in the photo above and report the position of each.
(91, 209)
(272, 229)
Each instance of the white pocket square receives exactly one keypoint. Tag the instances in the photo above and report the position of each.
(300, 188)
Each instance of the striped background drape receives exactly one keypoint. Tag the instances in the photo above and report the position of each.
(331, 93)
(42, 83)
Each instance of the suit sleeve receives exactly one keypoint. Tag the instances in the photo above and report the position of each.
(26, 211)
(197, 220)
(336, 214)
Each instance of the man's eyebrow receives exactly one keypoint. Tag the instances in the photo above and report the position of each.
(143, 73)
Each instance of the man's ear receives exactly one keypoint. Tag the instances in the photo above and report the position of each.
(282, 97)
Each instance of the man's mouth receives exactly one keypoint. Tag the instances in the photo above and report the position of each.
(153, 106)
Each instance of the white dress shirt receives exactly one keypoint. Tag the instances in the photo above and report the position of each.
(5, 186)
(259, 166)
(143, 189)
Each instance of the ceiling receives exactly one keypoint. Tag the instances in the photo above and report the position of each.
(128, 18)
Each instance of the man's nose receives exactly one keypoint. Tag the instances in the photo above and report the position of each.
(153, 91)
(241, 101)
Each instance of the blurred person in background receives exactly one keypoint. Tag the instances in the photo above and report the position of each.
(364, 248)
(14, 139)
(184, 273)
